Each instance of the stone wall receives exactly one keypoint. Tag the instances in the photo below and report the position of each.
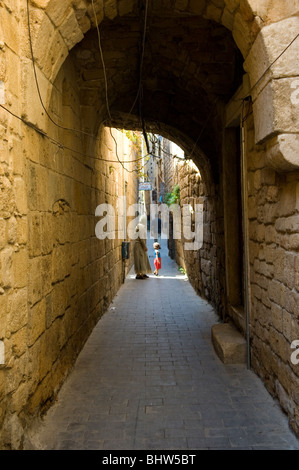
(274, 267)
(57, 278)
(204, 267)
(272, 212)
(13, 230)
(54, 273)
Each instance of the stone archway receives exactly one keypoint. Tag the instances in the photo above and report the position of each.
(256, 27)
(185, 93)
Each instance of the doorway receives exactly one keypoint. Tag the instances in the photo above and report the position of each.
(234, 236)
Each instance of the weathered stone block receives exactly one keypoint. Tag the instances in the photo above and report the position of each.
(110, 8)
(227, 19)
(232, 5)
(58, 11)
(7, 202)
(34, 231)
(287, 201)
(3, 315)
(287, 320)
(18, 342)
(20, 266)
(13, 73)
(40, 3)
(10, 30)
(268, 45)
(6, 270)
(18, 313)
(50, 347)
(45, 45)
(35, 280)
(2, 233)
(242, 34)
(277, 316)
(32, 109)
(284, 267)
(291, 303)
(20, 195)
(212, 12)
(255, 8)
(12, 432)
(22, 230)
(60, 299)
(125, 7)
(71, 31)
(60, 263)
(229, 344)
(36, 321)
(19, 397)
(47, 240)
(270, 234)
(12, 230)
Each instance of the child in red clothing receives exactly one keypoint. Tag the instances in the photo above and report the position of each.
(157, 260)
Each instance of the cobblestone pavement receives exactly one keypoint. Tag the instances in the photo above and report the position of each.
(148, 379)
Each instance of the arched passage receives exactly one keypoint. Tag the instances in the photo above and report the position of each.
(191, 68)
(56, 29)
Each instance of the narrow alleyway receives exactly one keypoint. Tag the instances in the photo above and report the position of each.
(148, 378)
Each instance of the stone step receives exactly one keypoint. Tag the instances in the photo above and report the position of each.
(229, 344)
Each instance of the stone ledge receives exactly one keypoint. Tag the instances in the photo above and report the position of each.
(229, 344)
(282, 152)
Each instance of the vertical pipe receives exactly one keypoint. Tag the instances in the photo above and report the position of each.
(124, 211)
(124, 206)
(245, 235)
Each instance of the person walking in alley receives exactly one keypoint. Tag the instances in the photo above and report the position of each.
(141, 262)
(157, 260)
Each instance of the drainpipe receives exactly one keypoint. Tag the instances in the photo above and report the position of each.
(125, 221)
(124, 206)
(245, 235)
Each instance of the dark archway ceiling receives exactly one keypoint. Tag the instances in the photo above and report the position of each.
(191, 67)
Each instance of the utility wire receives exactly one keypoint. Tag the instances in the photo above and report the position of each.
(50, 117)
(271, 65)
(106, 83)
(141, 59)
(59, 144)
(249, 92)
(141, 116)
(79, 131)
(106, 88)
(122, 163)
(102, 59)
(203, 128)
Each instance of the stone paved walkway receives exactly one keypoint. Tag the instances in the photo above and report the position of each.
(148, 379)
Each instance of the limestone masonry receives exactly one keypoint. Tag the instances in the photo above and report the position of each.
(220, 78)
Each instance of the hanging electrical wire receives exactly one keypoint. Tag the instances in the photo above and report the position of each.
(271, 65)
(140, 88)
(213, 107)
(77, 131)
(61, 145)
(138, 95)
(106, 89)
(102, 59)
(248, 96)
(106, 82)
(154, 140)
(142, 49)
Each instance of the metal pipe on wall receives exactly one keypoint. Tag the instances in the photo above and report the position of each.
(245, 235)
